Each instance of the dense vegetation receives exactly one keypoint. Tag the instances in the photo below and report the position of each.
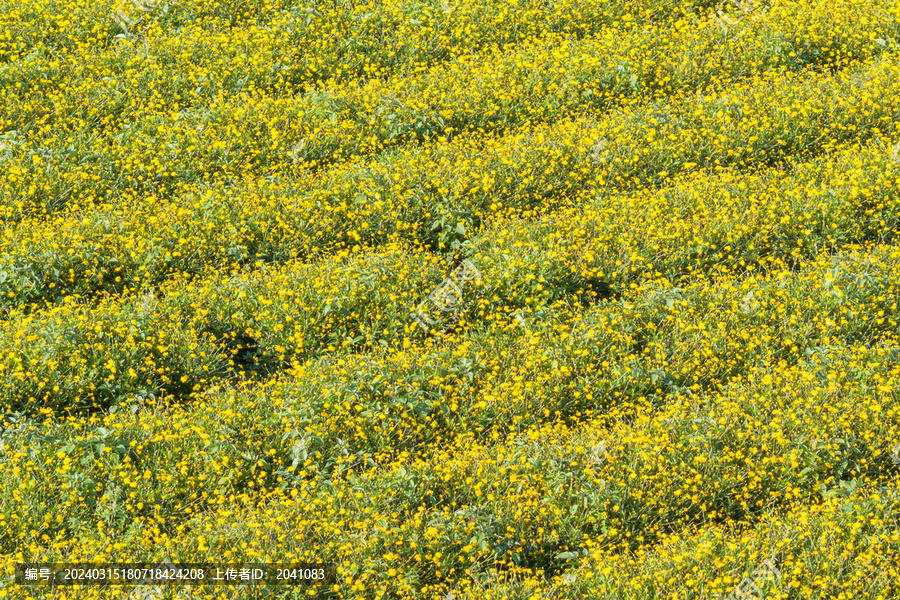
(678, 355)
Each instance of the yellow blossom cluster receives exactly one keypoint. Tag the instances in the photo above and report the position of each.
(679, 360)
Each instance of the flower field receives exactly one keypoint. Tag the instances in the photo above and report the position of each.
(507, 299)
